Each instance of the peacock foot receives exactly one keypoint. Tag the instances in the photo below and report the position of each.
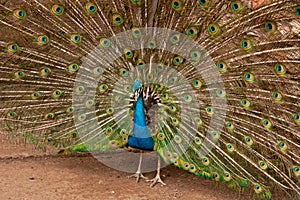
(155, 180)
(138, 176)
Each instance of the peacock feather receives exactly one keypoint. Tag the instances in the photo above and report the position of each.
(213, 86)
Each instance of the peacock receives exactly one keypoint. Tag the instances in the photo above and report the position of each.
(210, 86)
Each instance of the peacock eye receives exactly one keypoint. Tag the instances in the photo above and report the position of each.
(222, 67)
(57, 10)
(192, 31)
(104, 42)
(91, 8)
(19, 14)
(249, 77)
(178, 60)
(214, 29)
(236, 7)
(136, 2)
(136, 32)
(72, 68)
(174, 38)
(12, 47)
(280, 69)
(42, 40)
(297, 11)
(177, 5)
(75, 38)
(271, 26)
(117, 19)
(246, 44)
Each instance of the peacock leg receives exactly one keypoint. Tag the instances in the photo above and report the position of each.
(138, 173)
(157, 178)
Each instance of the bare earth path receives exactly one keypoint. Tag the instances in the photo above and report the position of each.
(84, 177)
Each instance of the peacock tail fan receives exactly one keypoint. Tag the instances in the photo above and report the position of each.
(220, 82)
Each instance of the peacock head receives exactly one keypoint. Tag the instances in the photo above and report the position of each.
(137, 86)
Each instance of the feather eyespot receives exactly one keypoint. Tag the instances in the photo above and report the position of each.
(277, 96)
(91, 8)
(136, 2)
(76, 38)
(109, 130)
(230, 127)
(214, 29)
(57, 10)
(248, 140)
(104, 42)
(280, 69)
(236, 6)
(283, 146)
(110, 111)
(160, 136)
(136, 32)
(160, 67)
(128, 53)
(102, 88)
(296, 170)
(19, 14)
(70, 110)
(19, 75)
(267, 124)
(263, 165)
(205, 161)
(296, 118)
(198, 121)
(198, 140)
(209, 110)
(230, 147)
(271, 26)
(11, 115)
(177, 5)
(140, 62)
(227, 176)
(12, 47)
(79, 90)
(72, 68)
(123, 72)
(192, 168)
(246, 45)
(117, 19)
(222, 67)
(185, 165)
(196, 55)
(197, 84)
(56, 94)
(246, 103)
(221, 93)
(177, 139)
(257, 188)
(192, 31)
(178, 60)
(215, 135)
(45, 71)
(35, 95)
(215, 176)
(42, 40)
(204, 3)
(249, 77)
(49, 116)
(298, 11)
(174, 39)
(175, 122)
(89, 103)
(151, 44)
(98, 71)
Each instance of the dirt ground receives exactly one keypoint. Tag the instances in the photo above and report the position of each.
(24, 176)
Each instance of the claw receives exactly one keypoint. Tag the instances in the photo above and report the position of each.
(138, 175)
(155, 180)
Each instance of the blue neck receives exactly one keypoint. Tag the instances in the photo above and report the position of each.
(141, 137)
(139, 113)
